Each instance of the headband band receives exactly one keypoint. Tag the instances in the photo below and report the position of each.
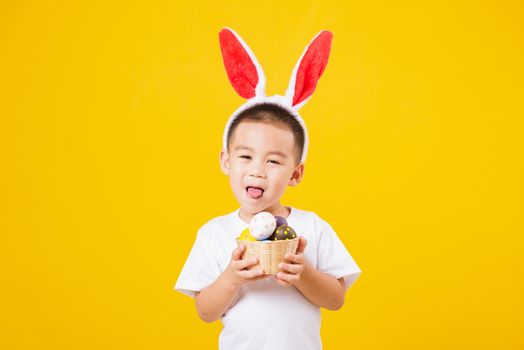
(247, 77)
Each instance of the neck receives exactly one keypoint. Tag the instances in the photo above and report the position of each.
(276, 209)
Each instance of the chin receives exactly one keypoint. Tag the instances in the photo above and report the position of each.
(252, 209)
(255, 208)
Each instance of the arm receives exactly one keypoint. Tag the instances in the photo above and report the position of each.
(319, 288)
(214, 300)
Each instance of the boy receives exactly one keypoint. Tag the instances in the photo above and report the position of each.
(265, 144)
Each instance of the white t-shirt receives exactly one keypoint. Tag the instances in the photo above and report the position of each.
(266, 315)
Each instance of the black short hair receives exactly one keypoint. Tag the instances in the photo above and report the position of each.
(272, 114)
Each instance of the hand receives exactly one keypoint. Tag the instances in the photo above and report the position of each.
(290, 273)
(240, 271)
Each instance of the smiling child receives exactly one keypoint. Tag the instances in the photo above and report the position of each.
(265, 146)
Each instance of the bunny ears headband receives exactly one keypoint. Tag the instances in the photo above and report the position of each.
(248, 79)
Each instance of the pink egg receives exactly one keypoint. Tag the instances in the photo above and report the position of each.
(262, 225)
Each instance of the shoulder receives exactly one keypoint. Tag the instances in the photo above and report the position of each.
(311, 219)
(214, 222)
(304, 214)
(216, 225)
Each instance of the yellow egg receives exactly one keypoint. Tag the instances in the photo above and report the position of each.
(246, 236)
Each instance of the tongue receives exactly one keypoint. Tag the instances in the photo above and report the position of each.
(254, 192)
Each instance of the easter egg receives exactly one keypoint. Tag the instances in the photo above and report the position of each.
(283, 233)
(280, 221)
(262, 225)
(246, 236)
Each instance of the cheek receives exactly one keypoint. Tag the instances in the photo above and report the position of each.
(281, 178)
(235, 176)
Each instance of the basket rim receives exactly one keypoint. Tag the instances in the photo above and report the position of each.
(266, 242)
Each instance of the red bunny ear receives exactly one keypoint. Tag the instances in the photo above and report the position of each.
(243, 70)
(309, 68)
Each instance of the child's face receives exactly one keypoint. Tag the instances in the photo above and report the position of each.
(251, 162)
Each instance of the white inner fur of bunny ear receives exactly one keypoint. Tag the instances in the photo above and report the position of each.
(278, 100)
(290, 92)
(260, 90)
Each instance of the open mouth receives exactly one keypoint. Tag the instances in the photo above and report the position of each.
(254, 192)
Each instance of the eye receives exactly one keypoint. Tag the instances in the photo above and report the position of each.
(245, 157)
(274, 161)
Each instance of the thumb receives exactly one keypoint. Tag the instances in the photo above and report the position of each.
(237, 253)
(302, 243)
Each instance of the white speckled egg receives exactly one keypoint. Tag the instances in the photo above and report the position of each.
(262, 225)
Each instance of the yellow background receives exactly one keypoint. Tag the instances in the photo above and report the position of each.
(111, 117)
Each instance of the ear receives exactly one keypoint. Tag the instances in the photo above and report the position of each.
(224, 161)
(308, 69)
(243, 70)
(297, 175)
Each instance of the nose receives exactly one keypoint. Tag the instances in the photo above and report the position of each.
(257, 169)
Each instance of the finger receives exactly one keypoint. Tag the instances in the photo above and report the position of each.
(244, 263)
(286, 277)
(261, 277)
(292, 268)
(283, 283)
(237, 253)
(249, 274)
(302, 243)
(295, 258)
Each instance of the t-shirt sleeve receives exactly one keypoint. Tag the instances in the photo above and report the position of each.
(201, 267)
(333, 257)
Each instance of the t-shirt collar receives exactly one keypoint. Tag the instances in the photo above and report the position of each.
(236, 216)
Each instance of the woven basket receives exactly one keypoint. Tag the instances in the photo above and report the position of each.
(269, 253)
